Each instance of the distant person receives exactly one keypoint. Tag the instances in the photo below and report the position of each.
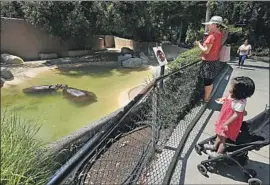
(231, 115)
(244, 52)
(210, 53)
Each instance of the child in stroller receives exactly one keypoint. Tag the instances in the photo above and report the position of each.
(253, 136)
(231, 115)
(234, 138)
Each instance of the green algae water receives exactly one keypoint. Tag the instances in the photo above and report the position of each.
(60, 116)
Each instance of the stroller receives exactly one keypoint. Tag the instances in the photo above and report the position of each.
(254, 135)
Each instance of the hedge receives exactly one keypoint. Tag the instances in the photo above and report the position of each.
(190, 56)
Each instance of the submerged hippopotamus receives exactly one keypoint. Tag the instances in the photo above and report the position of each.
(78, 95)
(43, 88)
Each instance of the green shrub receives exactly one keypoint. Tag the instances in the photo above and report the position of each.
(190, 56)
(233, 28)
(193, 34)
(234, 48)
(262, 52)
(182, 92)
(23, 158)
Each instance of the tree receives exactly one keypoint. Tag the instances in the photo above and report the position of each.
(140, 20)
(253, 16)
(11, 9)
(52, 16)
(208, 13)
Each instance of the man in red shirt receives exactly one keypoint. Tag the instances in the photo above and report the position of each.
(210, 53)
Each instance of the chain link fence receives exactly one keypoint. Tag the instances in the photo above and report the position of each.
(131, 152)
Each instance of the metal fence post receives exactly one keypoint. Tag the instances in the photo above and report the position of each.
(162, 71)
(155, 128)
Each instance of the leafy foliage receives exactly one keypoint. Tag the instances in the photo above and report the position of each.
(11, 9)
(253, 16)
(234, 48)
(182, 92)
(193, 34)
(23, 159)
(141, 20)
(59, 18)
(190, 56)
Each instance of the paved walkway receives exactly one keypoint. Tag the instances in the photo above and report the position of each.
(186, 170)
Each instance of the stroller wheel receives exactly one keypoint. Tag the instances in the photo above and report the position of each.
(251, 172)
(198, 149)
(254, 181)
(202, 169)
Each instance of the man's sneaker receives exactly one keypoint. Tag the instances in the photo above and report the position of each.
(209, 147)
(213, 154)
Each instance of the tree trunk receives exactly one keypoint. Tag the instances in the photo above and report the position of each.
(208, 13)
(178, 40)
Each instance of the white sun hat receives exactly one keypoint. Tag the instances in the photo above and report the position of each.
(215, 20)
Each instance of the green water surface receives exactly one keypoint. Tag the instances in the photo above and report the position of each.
(58, 115)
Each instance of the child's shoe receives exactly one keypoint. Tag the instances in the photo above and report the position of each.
(213, 154)
(209, 147)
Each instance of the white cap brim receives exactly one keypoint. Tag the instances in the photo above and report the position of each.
(207, 23)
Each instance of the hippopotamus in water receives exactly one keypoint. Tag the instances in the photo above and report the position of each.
(43, 88)
(78, 95)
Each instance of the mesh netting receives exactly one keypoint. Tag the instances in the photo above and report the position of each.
(130, 154)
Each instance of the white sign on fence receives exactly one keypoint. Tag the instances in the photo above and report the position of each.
(160, 55)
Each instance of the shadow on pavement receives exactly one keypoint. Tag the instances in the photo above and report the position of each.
(235, 173)
(185, 159)
(256, 66)
(250, 67)
(220, 91)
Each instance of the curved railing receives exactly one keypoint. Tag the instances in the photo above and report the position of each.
(130, 142)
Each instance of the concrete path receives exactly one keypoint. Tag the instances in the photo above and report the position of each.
(186, 170)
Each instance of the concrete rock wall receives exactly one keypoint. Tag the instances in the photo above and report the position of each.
(145, 47)
(22, 39)
(27, 41)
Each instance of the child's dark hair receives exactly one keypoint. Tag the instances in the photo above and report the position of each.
(242, 87)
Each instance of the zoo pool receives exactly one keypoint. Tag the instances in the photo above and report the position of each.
(58, 115)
